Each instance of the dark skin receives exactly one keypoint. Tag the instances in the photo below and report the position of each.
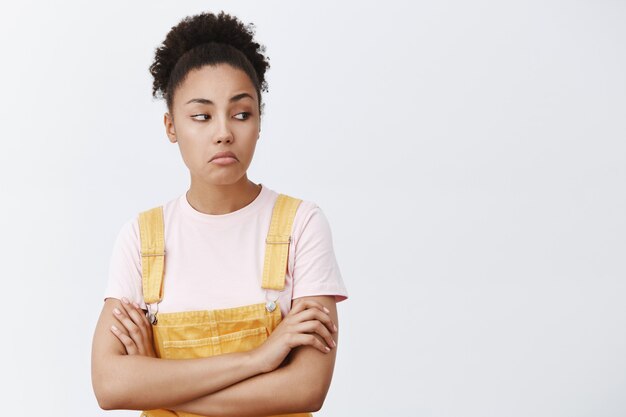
(136, 333)
(309, 321)
(230, 122)
(125, 370)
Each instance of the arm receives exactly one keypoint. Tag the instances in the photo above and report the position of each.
(122, 381)
(138, 378)
(299, 386)
(135, 382)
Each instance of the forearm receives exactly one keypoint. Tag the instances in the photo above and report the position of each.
(283, 391)
(137, 382)
(300, 386)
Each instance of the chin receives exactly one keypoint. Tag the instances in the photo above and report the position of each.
(223, 179)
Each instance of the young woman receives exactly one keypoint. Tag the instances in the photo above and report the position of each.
(222, 301)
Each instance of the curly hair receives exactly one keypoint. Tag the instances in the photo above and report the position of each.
(207, 39)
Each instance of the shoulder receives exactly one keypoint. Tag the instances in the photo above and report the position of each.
(305, 208)
(129, 230)
(309, 221)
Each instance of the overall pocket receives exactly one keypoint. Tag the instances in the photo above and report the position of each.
(240, 341)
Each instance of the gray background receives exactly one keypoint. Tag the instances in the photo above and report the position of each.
(469, 155)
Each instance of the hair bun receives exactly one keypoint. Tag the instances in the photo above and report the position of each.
(201, 29)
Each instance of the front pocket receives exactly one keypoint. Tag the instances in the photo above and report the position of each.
(240, 341)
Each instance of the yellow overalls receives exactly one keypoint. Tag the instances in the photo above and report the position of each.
(203, 333)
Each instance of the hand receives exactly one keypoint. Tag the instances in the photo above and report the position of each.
(136, 334)
(296, 329)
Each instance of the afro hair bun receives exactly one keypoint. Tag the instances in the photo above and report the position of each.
(205, 28)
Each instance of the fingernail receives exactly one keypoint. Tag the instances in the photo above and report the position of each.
(335, 326)
(116, 311)
(114, 328)
(125, 300)
(334, 343)
(327, 349)
(326, 310)
(136, 305)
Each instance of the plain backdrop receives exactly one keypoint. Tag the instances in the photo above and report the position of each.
(470, 157)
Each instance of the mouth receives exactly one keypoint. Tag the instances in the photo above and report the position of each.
(224, 157)
(224, 160)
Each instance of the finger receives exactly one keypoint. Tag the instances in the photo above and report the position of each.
(143, 315)
(303, 339)
(297, 314)
(299, 305)
(148, 349)
(143, 341)
(132, 329)
(128, 343)
(134, 313)
(136, 317)
(313, 313)
(315, 326)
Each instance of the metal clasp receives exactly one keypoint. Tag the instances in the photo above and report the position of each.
(152, 317)
(270, 305)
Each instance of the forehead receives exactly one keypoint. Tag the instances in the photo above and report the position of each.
(216, 83)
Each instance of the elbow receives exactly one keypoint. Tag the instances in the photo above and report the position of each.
(105, 397)
(107, 392)
(106, 405)
(315, 406)
(110, 398)
(315, 399)
(113, 384)
(312, 395)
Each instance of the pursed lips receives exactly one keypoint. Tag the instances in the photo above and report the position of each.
(226, 154)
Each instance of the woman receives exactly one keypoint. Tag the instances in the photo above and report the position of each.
(231, 276)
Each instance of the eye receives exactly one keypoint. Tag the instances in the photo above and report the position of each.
(245, 113)
(203, 117)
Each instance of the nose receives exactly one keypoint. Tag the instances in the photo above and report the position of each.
(223, 132)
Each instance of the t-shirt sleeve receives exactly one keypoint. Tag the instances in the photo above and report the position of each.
(124, 278)
(315, 268)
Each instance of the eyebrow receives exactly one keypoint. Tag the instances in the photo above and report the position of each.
(231, 100)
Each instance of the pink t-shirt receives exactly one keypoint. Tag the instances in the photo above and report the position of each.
(216, 261)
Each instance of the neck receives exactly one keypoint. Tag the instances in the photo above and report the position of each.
(222, 199)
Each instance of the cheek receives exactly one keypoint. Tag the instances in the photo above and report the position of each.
(193, 153)
(249, 150)
(248, 135)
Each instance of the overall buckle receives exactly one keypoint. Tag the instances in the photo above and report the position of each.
(152, 317)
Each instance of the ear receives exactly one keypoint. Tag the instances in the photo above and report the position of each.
(170, 130)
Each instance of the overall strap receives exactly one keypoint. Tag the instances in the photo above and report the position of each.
(151, 231)
(278, 241)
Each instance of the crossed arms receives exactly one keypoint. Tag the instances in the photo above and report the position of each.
(233, 384)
